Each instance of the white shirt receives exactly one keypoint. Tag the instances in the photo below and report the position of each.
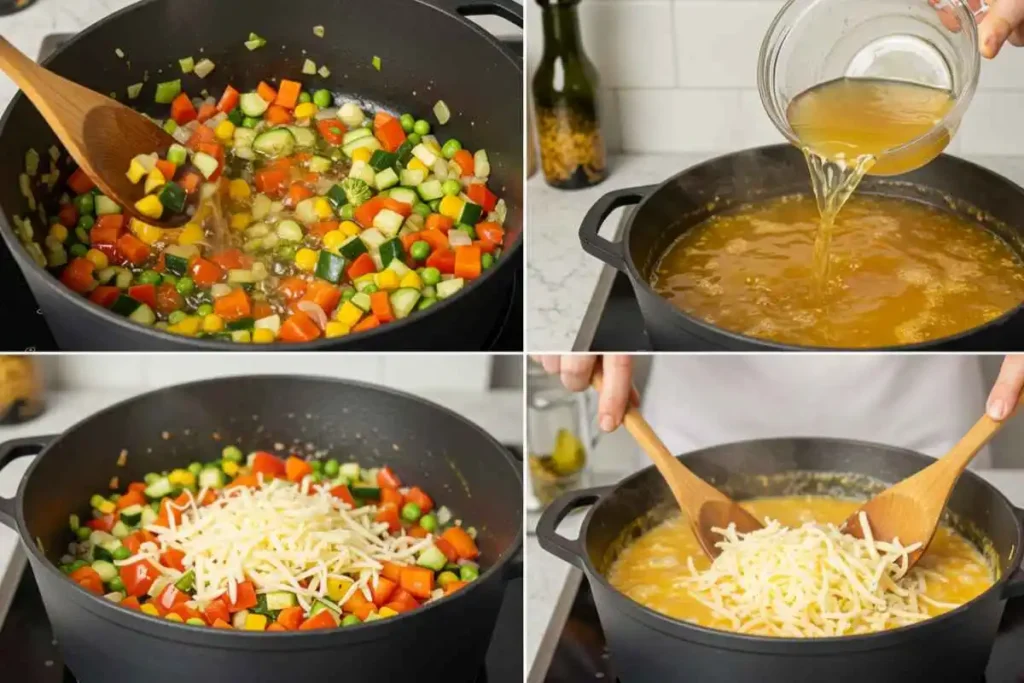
(921, 402)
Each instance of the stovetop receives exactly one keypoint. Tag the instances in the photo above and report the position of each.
(581, 654)
(32, 334)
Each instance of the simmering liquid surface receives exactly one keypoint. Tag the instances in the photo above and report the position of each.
(648, 570)
(901, 272)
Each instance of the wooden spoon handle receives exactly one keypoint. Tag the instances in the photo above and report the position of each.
(961, 454)
(32, 79)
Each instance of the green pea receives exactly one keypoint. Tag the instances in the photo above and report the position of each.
(347, 212)
(469, 572)
(445, 578)
(428, 522)
(121, 553)
(421, 127)
(149, 277)
(204, 310)
(413, 138)
(86, 223)
(317, 477)
(78, 564)
(176, 317)
(332, 467)
(232, 454)
(370, 289)
(431, 275)
(78, 249)
(411, 512)
(424, 304)
(452, 188)
(169, 279)
(486, 261)
(421, 209)
(316, 465)
(195, 468)
(468, 229)
(304, 97)
(408, 122)
(323, 98)
(250, 122)
(450, 148)
(85, 204)
(83, 533)
(185, 285)
(151, 477)
(347, 293)
(420, 250)
(350, 620)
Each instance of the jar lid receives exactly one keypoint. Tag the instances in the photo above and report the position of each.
(557, 3)
(902, 57)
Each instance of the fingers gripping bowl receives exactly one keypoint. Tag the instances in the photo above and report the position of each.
(167, 429)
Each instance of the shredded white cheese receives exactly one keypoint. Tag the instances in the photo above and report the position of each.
(811, 581)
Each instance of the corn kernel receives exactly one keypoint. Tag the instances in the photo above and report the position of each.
(305, 259)
(241, 336)
(224, 131)
(336, 329)
(323, 208)
(107, 508)
(333, 240)
(387, 612)
(451, 207)
(262, 335)
(213, 323)
(348, 314)
(240, 221)
(387, 280)
(190, 234)
(187, 327)
(154, 181)
(175, 618)
(306, 110)
(336, 588)
(417, 165)
(98, 258)
(150, 207)
(136, 171)
(150, 234)
(361, 154)
(238, 189)
(349, 228)
(433, 146)
(411, 279)
(182, 478)
(231, 468)
(149, 609)
(58, 232)
(255, 622)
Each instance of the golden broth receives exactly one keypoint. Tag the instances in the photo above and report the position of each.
(901, 272)
(649, 568)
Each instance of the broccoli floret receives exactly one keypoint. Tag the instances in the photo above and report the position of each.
(356, 191)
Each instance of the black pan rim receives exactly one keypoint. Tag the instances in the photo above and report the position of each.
(513, 254)
(236, 639)
(639, 281)
(805, 646)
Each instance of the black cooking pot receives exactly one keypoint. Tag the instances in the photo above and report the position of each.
(450, 457)
(666, 211)
(648, 647)
(428, 51)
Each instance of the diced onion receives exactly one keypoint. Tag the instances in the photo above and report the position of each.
(458, 238)
(326, 113)
(203, 68)
(271, 322)
(181, 134)
(314, 311)
(351, 115)
(441, 112)
(220, 289)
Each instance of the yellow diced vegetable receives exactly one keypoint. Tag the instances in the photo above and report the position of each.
(412, 279)
(336, 588)
(58, 232)
(387, 612)
(150, 206)
(154, 181)
(306, 110)
(451, 207)
(238, 189)
(348, 314)
(98, 258)
(231, 468)
(305, 259)
(150, 234)
(190, 234)
(136, 171)
(336, 329)
(240, 221)
(107, 508)
(387, 280)
(323, 208)
(433, 146)
(182, 478)
(417, 165)
(262, 335)
(333, 240)
(361, 154)
(255, 622)
(349, 228)
(224, 131)
(188, 327)
(149, 609)
(213, 323)
(174, 617)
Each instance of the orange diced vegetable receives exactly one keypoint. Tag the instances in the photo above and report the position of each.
(229, 100)
(290, 618)
(463, 543)
(205, 273)
(436, 221)
(296, 469)
(418, 581)
(467, 262)
(266, 92)
(288, 93)
(465, 161)
(79, 182)
(233, 306)
(182, 110)
(380, 304)
(299, 327)
(278, 115)
(107, 229)
(77, 275)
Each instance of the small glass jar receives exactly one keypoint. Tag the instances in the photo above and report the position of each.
(21, 389)
(12, 6)
(565, 93)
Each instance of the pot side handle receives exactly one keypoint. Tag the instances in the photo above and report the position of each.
(11, 451)
(508, 10)
(1014, 587)
(570, 550)
(611, 253)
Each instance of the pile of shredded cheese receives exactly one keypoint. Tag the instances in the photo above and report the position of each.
(282, 537)
(812, 581)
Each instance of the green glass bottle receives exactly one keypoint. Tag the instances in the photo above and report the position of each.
(572, 152)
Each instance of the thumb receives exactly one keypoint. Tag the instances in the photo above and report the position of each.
(1006, 392)
(1002, 19)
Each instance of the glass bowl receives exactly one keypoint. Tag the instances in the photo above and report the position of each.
(815, 41)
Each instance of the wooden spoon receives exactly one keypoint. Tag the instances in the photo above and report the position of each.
(910, 510)
(100, 133)
(704, 505)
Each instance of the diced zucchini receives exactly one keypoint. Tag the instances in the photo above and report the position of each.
(289, 230)
(411, 177)
(432, 558)
(356, 134)
(148, 516)
(172, 196)
(324, 605)
(212, 478)
(385, 179)
(447, 288)
(352, 248)
(362, 302)
(252, 104)
(319, 164)
(240, 276)
(481, 164)
(243, 138)
(206, 164)
(275, 143)
(404, 195)
(120, 530)
(362, 171)
(105, 205)
(382, 159)
(330, 266)
(365, 492)
(398, 268)
(424, 154)
(175, 265)
(404, 300)
(430, 190)
(350, 470)
(160, 488)
(373, 238)
(388, 222)
(470, 214)
(105, 569)
(132, 515)
(279, 600)
(304, 137)
(124, 305)
(369, 142)
(177, 154)
(391, 250)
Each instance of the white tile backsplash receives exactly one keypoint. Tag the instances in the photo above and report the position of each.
(681, 76)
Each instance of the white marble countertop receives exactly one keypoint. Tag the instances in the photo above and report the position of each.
(562, 276)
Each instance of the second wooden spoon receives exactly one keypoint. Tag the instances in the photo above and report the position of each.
(705, 506)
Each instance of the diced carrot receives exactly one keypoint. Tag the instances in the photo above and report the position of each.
(137, 486)
(244, 598)
(382, 592)
(130, 498)
(267, 464)
(105, 296)
(447, 548)
(107, 229)
(299, 327)
(392, 570)
(418, 532)
(131, 602)
(454, 586)
(485, 246)
(467, 262)
(288, 93)
(206, 112)
(323, 294)
(436, 221)
(323, 619)
(270, 181)
(491, 232)
(182, 109)
(368, 210)
(342, 491)
(190, 182)
(231, 258)
(247, 480)
(290, 618)
(274, 626)
(167, 168)
(296, 469)
(205, 273)
(465, 161)
(388, 513)
(79, 182)
(386, 478)
(172, 557)
(361, 266)
(296, 193)
(479, 194)
(200, 135)
(404, 598)
(443, 260)
(278, 115)
(367, 323)
(77, 275)
(390, 495)
(234, 305)
(323, 227)
(217, 610)
(266, 92)
(168, 299)
(229, 100)
(358, 605)
(68, 215)
(389, 131)
(380, 304)
(463, 543)
(261, 309)
(292, 287)
(220, 623)
(435, 238)
(398, 207)
(418, 581)
(419, 496)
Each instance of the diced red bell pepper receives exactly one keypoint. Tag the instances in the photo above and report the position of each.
(388, 513)
(342, 491)
(386, 478)
(322, 619)
(268, 464)
(135, 250)
(182, 110)
(145, 294)
(206, 112)
(168, 300)
(105, 296)
(229, 100)
(463, 543)
(361, 266)
(79, 182)
(479, 194)
(173, 558)
(138, 577)
(169, 598)
(388, 130)
(419, 496)
(77, 275)
(89, 579)
(443, 260)
(205, 273)
(68, 215)
(382, 592)
(244, 599)
(331, 130)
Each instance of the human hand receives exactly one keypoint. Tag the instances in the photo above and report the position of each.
(576, 371)
(1003, 21)
(1006, 392)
